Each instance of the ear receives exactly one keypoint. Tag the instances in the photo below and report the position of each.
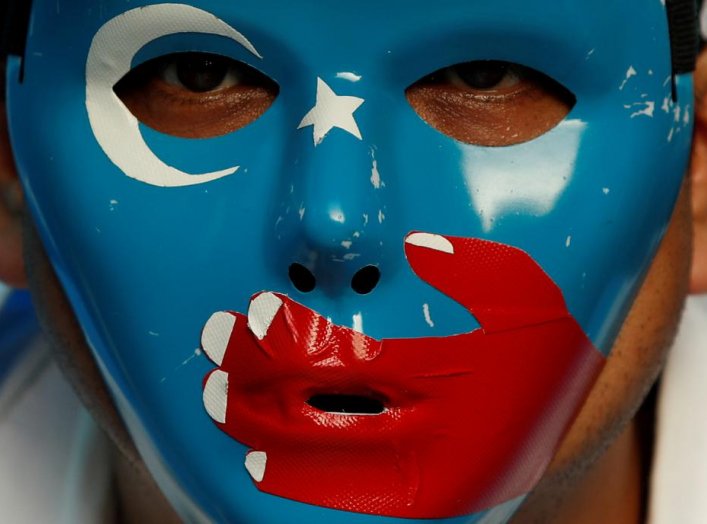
(11, 208)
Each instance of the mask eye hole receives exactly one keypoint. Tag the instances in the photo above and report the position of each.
(196, 95)
(490, 102)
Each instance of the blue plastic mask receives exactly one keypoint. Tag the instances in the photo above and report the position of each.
(329, 249)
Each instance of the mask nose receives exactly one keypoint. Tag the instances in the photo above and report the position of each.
(337, 236)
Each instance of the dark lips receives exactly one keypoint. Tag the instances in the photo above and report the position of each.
(469, 421)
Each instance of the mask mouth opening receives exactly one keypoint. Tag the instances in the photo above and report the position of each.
(345, 404)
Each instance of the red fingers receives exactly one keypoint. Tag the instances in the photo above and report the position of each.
(500, 285)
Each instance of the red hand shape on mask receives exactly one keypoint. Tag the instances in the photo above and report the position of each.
(469, 421)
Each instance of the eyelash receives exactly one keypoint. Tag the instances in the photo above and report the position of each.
(490, 103)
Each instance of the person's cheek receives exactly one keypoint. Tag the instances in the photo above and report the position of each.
(635, 361)
(11, 208)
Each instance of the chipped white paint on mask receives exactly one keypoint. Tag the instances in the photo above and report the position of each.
(216, 334)
(215, 395)
(357, 324)
(641, 109)
(528, 177)
(426, 313)
(347, 75)
(629, 74)
(110, 58)
(375, 175)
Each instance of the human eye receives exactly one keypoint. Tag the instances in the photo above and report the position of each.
(490, 102)
(196, 95)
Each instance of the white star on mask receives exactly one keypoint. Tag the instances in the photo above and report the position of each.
(330, 111)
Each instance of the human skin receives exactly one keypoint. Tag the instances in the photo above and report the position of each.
(596, 473)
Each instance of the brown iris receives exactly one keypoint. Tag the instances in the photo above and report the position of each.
(196, 95)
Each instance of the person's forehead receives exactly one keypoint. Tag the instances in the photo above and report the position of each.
(581, 44)
(356, 27)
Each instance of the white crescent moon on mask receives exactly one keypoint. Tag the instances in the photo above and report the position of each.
(110, 58)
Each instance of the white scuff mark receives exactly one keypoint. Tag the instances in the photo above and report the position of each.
(381, 216)
(348, 75)
(648, 109)
(358, 322)
(426, 313)
(375, 175)
(667, 80)
(337, 216)
(365, 219)
(686, 117)
(670, 135)
(356, 234)
(301, 213)
(279, 219)
(292, 189)
(113, 203)
(631, 72)
(650, 72)
(351, 256)
(667, 102)
(346, 244)
(590, 53)
(677, 113)
(153, 333)
(644, 95)
(605, 190)
(190, 358)
(568, 242)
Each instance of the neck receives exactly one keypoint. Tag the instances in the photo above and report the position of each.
(139, 498)
(610, 490)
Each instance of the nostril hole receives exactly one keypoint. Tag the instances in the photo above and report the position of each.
(347, 404)
(365, 280)
(302, 278)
